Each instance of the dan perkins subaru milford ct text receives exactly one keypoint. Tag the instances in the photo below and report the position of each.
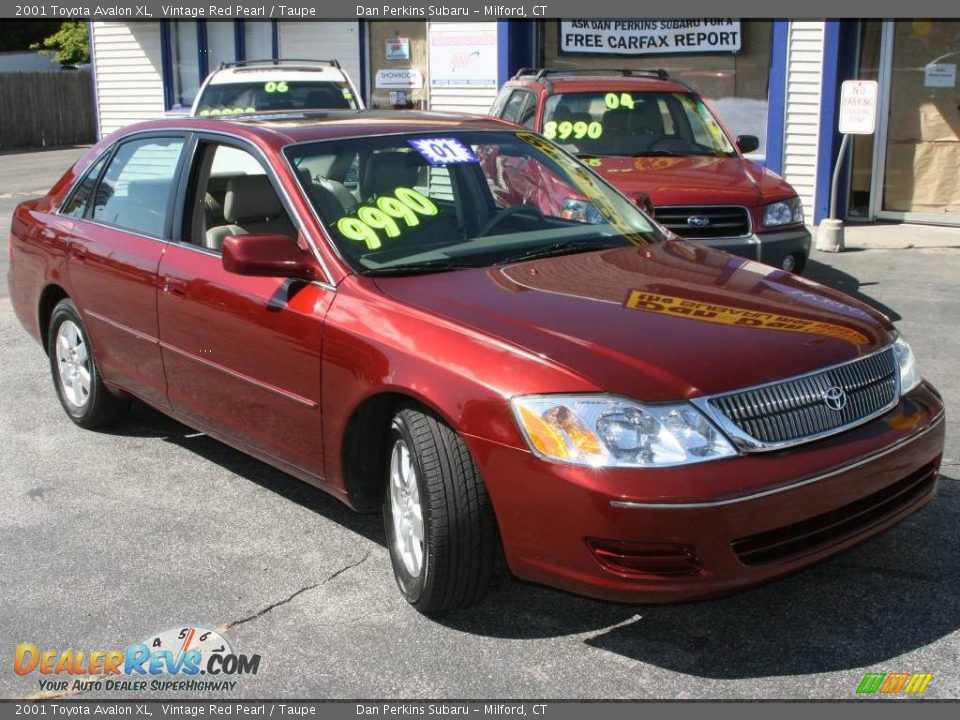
(422, 11)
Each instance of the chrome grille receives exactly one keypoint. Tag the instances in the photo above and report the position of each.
(795, 410)
(721, 221)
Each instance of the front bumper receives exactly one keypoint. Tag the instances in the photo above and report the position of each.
(770, 247)
(714, 527)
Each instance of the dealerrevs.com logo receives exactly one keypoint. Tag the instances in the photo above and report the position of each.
(172, 660)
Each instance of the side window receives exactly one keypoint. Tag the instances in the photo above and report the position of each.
(232, 195)
(528, 112)
(135, 191)
(515, 105)
(496, 110)
(76, 204)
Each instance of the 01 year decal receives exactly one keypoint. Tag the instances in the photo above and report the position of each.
(405, 204)
(578, 130)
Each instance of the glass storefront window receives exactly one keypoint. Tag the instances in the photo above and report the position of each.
(257, 40)
(923, 126)
(185, 61)
(221, 44)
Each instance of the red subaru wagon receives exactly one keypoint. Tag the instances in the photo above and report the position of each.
(655, 139)
(358, 299)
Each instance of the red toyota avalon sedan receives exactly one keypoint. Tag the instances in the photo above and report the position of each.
(355, 298)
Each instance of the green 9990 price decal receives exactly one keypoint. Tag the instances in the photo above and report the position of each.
(406, 204)
(579, 129)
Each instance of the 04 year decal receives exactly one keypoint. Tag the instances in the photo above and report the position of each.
(406, 205)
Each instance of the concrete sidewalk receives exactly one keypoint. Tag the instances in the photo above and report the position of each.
(897, 236)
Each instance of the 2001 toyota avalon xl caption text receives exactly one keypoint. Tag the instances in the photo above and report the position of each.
(355, 298)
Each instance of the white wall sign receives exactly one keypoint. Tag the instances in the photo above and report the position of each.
(463, 58)
(858, 107)
(399, 78)
(649, 37)
(940, 75)
(397, 48)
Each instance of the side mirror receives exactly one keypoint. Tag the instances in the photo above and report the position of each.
(267, 255)
(747, 143)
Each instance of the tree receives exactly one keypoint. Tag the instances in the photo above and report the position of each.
(69, 45)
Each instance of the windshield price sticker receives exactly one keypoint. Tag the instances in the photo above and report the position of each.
(443, 151)
(214, 112)
(405, 204)
(578, 130)
(614, 101)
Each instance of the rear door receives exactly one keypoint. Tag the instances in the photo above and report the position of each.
(242, 354)
(115, 250)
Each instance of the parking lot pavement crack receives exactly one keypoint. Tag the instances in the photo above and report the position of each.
(301, 591)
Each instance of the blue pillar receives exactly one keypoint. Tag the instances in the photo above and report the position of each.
(777, 95)
(828, 140)
(514, 47)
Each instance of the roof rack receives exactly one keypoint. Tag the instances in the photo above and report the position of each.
(279, 61)
(541, 73)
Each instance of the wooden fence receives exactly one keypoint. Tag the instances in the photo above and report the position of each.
(38, 109)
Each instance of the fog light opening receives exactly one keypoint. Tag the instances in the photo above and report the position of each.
(645, 560)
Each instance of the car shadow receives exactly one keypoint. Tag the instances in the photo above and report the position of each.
(143, 421)
(847, 283)
(878, 601)
(890, 596)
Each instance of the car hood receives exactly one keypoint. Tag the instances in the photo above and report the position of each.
(691, 180)
(658, 322)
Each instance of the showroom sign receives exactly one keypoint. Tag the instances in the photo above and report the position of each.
(399, 78)
(649, 37)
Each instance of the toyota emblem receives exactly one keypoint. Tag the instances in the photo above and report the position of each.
(835, 398)
(700, 221)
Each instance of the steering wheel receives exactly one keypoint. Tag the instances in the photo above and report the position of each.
(507, 213)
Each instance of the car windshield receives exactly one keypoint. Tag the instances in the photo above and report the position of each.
(237, 98)
(445, 200)
(634, 124)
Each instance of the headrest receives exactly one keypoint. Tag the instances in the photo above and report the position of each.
(386, 171)
(618, 119)
(250, 197)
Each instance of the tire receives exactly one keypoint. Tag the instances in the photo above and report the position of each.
(76, 374)
(458, 534)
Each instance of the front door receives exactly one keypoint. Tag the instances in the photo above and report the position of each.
(241, 354)
(918, 146)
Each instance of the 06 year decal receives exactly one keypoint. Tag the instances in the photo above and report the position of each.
(578, 130)
(405, 204)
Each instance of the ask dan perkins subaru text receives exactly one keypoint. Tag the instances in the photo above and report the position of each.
(359, 299)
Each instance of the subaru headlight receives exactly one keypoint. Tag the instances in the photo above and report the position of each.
(608, 431)
(785, 212)
(909, 372)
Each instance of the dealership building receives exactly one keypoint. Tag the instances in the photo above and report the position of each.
(776, 79)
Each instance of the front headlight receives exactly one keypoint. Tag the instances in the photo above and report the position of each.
(909, 371)
(785, 212)
(607, 431)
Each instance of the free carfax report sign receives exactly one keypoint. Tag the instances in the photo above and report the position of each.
(649, 37)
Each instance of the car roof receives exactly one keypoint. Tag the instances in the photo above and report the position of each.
(598, 81)
(283, 128)
(261, 73)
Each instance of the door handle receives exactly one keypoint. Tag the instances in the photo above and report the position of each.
(173, 286)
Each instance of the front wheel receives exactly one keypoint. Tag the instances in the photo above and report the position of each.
(75, 372)
(439, 522)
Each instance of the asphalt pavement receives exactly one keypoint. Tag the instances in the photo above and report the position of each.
(107, 538)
